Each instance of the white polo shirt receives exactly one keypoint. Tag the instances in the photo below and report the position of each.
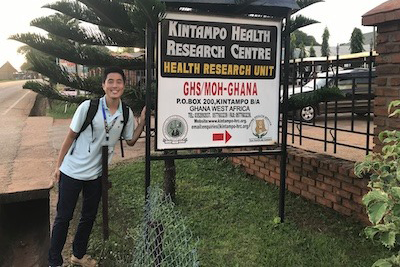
(85, 162)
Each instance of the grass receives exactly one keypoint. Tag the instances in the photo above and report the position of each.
(233, 215)
(61, 109)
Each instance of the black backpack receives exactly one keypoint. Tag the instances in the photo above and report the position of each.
(93, 107)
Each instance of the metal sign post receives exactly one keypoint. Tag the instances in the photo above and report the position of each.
(149, 79)
(219, 81)
(282, 188)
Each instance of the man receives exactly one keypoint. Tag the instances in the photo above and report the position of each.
(79, 165)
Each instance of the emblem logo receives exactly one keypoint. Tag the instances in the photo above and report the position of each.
(259, 126)
(175, 129)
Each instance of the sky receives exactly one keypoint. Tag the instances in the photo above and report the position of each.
(340, 16)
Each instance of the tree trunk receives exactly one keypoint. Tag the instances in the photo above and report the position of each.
(169, 176)
(50, 101)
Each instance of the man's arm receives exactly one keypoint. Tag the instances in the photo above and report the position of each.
(139, 128)
(69, 139)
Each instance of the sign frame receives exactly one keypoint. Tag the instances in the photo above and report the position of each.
(220, 137)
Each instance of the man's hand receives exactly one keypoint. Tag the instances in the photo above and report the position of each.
(143, 114)
(56, 177)
(139, 128)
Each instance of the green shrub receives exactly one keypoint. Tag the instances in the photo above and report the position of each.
(313, 98)
(383, 201)
(61, 109)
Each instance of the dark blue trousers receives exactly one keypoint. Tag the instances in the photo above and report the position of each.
(69, 189)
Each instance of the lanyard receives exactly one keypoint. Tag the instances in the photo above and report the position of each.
(108, 129)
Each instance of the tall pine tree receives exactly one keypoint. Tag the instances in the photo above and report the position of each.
(79, 33)
(325, 51)
(356, 41)
(119, 23)
(303, 52)
(312, 51)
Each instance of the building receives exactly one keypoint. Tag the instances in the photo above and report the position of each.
(7, 71)
(344, 49)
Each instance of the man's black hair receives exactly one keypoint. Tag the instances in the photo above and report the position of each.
(113, 70)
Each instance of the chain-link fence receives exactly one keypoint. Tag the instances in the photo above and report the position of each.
(163, 239)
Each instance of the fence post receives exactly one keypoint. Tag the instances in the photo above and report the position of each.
(149, 78)
(284, 123)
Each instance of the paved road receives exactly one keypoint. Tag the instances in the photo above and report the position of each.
(15, 105)
(22, 181)
(344, 137)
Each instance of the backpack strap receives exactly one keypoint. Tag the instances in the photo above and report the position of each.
(125, 115)
(93, 107)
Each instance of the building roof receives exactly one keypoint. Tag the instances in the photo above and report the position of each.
(344, 53)
(388, 11)
(278, 8)
(7, 67)
(128, 55)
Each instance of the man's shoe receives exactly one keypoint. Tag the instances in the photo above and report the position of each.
(86, 261)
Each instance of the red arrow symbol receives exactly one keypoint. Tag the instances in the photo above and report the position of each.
(227, 137)
(220, 136)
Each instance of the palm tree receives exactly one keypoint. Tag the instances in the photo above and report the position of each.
(111, 23)
(119, 23)
(300, 21)
(79, 33)
(296, 22)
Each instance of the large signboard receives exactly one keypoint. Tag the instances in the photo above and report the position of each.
(218, 82)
